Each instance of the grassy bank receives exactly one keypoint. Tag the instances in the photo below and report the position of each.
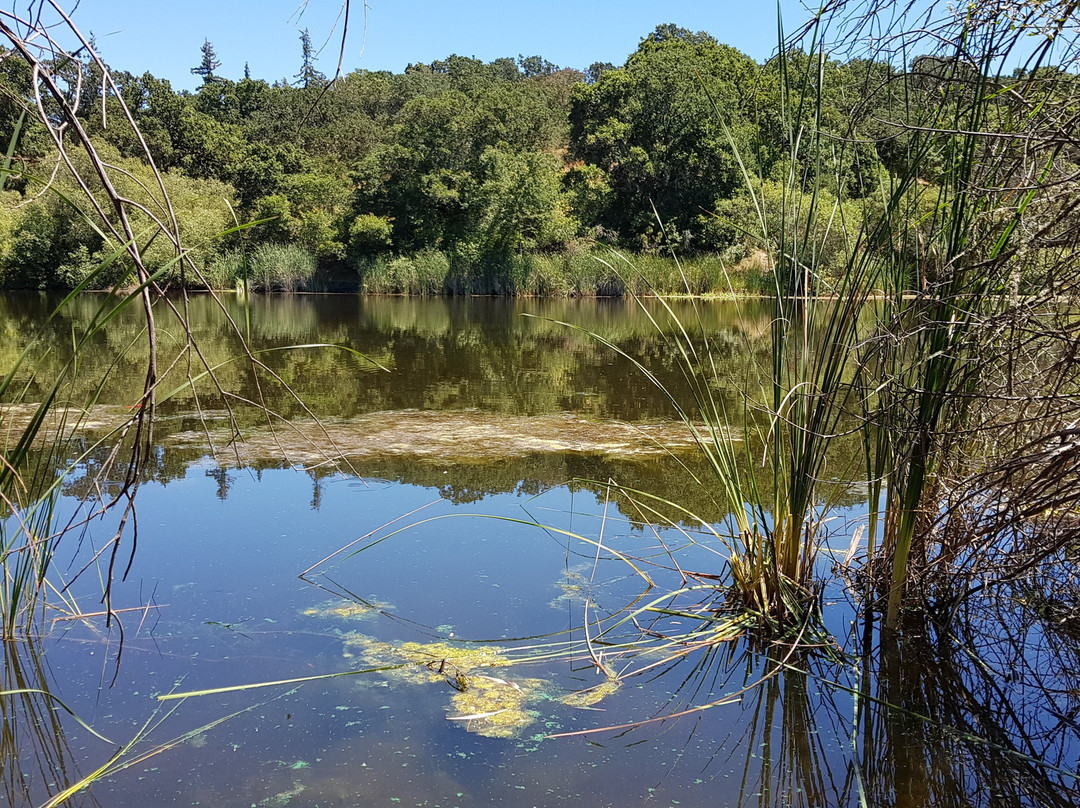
(596, 272)
(575, 273)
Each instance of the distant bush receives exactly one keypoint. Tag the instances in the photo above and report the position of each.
(369, 235)
(99, 270)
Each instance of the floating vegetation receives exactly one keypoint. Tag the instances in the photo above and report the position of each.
(430, 662)
(284, 797)
(574, 589)
(497, 708)
(463, 437)
(348, 609)
(594, 695)
(488, 705)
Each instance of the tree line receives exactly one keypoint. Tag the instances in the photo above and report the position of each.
(463, 164)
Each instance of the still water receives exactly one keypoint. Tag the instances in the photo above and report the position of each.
(502, 617)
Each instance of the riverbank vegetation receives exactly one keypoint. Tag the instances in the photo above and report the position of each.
(464, 177)
(908, 213)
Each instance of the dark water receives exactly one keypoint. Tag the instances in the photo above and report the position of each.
(472, 535)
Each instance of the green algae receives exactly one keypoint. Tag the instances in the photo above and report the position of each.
(347, 609)
(573, 589)
(494, 706)
(591, 696)
(466, 437)
(285, 797)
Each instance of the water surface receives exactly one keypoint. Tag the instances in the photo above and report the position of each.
(468, 548)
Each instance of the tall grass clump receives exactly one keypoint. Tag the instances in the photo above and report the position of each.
(948, 313)
(227, 270)
(971, 365)
(579, 271)
(281, 268)
(804, 394)
(424, 273)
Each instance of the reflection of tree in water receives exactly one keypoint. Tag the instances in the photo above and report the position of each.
(443, 354)
(920, 720)
(967, 719)
(224, 481)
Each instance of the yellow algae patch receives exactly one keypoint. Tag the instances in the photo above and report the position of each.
(496, 708)
(347, 609)
(63, 421)
(461, 659)
(574, 587)
(430, 662)
(587, 698)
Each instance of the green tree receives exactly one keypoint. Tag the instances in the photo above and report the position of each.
(596, 70)
(209, 63)
(532, 66)
(519, 204)
(658, 128)
(423, 180)
(308, 75)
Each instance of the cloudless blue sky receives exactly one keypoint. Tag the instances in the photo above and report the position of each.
(164, 37)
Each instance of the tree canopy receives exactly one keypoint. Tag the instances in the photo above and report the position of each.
(478, 158)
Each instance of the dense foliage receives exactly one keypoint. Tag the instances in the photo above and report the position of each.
(482, 164)
(458, 175)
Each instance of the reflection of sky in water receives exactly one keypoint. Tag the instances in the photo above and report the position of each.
(231, 611)
(220, 551)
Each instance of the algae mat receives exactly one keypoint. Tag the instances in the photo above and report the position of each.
(461, 436)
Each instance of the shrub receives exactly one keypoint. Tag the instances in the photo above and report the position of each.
(369, 235)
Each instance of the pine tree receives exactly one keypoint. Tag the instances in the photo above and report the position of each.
(209, 64)
(308, 75)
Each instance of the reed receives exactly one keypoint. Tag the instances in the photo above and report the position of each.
(959, 232)
(281, 268)
(423, 274)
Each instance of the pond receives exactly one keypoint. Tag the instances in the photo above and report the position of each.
(430, 596)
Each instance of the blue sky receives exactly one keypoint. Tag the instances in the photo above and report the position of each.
(164, 36)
